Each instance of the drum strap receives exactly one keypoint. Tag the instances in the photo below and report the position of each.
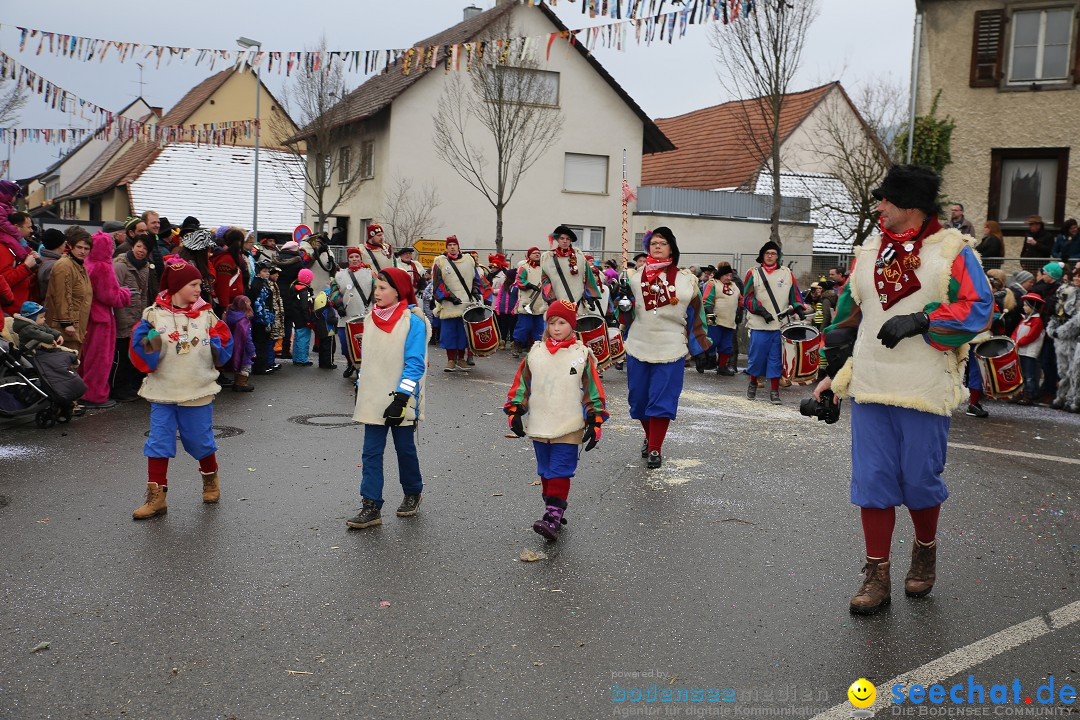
(374, 262)
(768, 289)
(365, 298)
(460, 277)
(566, 285)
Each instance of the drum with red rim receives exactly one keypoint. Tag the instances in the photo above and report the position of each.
(615, 345)
(481, 330)
(999, 366)
(592, 331)
(801, 344)
(354, 331)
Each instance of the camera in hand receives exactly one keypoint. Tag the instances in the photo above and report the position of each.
(824, 409)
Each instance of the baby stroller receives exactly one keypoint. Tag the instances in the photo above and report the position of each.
(40, 384)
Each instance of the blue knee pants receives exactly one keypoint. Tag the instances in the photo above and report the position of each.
(654, 388)
(194, 424)
(765, 356)
(555, 460)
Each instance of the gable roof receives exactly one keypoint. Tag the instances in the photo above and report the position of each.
(713, 151)
(381, 90)
(89, 136)
(142, 152)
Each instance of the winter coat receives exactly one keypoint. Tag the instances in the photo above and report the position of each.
(27, 330)
(262, 302)
(989, 248)
(291, 263)
(69, 299)
(137, 281)
(44, 270)
(107, 293)
(1044, 243)
(229, 282)
(506, 297)
(1048, 292)
(243, 346)
(1066, 248)
(298, 305)
(20, 277)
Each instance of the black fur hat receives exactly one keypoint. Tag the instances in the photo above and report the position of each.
(769, 246)
(563, 230)
(911, 186)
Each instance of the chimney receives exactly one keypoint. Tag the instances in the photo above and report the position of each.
(471, 12)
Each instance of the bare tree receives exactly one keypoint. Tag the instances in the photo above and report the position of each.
(410, 213)
(515, 106)
(855, 140)
(12, 100)
(335, 166)
(758, 57)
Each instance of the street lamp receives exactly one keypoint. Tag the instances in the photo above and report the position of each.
(248, 43)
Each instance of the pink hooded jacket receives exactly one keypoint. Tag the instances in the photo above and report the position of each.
(9, 234)
(107, 291)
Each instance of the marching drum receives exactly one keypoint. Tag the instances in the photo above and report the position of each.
(354, 330)
(481, 330)
(592, 331)
(801, 344)
(615, 345)
(999, 366)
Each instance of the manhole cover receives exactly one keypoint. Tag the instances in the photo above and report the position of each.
(220, 432)
(322, 420)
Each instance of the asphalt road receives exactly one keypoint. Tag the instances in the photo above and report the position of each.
(730, 568)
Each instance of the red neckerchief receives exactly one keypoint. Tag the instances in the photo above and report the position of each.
(553, 346)
(726, 287)
(534, 264)
(658, 283)
(897, 260)
(386, 318)
(453, 257)
(571, 257)
(769, 269)
(380, 248)
(164, 300)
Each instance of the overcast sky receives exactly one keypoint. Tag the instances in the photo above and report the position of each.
(855, 41)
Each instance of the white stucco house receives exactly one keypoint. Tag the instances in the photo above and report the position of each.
(576, 183)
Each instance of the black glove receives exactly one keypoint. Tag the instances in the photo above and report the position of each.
(395, 411)
(624, 288)
(897, 328)
(454, 299)
(762, 312)
(592, 432)
(516, 425)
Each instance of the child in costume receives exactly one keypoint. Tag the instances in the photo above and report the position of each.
(1029, 336)
(238, 317)
(395, 363)
(558, 401)
(178, 344)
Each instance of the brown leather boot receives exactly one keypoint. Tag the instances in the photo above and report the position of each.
(920, 578)
(211, 493)
(155, 502)
(876, 588)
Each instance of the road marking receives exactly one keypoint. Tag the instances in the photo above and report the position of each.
(967, 657)
(1015, 453)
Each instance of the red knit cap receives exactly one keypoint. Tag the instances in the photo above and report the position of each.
(565, 310)
(453, 239)
(372, 229)
(531, 250)
(353, 251)
(400, 281)
(178, 273)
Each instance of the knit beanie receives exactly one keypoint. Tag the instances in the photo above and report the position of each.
(1022, 276)
(1054, 270)
(31, 309)
(565, 310)
(400, 281)
(373, 229)
(453, 239)
(531, 250)
(350, 251)
(305, 276)
(178, 273)
(52, 239)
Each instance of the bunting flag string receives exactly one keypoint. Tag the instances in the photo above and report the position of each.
(651, 21)
(220, 133)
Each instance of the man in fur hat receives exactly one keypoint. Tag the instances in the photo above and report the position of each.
(770, 294)
(915, 298)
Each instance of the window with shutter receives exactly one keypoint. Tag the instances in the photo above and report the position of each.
(986, 48)
(585, 173)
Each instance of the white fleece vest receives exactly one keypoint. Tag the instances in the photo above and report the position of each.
(726, 306)
(548, 263)
(384, 361)
(380, 261)
(780, 280)
(913, 374)
(555, 392)
(660, 336)
(189, 379)
(354, 304)
(530, 302)
(467, 267)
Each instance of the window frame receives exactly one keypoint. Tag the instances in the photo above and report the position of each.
(344, 164)
(540, 71)
(607, 174)
(1071, 54)
(366, 167)
(993, 204)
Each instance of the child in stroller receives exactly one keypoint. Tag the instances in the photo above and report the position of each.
(37, 376)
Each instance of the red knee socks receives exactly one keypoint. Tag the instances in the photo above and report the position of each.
(753, 379)
(556, 488)
(158, 470)
(974, 396)
(774, 384)
(657, 431)
(877, 526)
(451, 356)
(721, 359)
(925, 522)
(208, 464)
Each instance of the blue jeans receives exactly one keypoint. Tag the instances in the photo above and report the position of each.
(371, 477)
(1029, 368)
(301, 344)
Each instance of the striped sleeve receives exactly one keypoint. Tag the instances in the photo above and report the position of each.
(696, 333)
(847, 313)
(518, 397)
(749, 299)
(144, 362)
(970, 307)
(592, 398)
